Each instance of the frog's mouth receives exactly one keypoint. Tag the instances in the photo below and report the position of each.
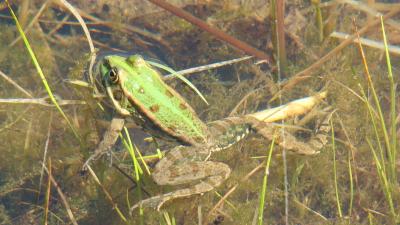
(116, 104)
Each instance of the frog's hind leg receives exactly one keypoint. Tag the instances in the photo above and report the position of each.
(207, 174)
(290, 142)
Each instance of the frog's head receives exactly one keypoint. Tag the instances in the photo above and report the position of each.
(109, 70)
(114, 70)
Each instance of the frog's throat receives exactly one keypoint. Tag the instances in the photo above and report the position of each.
(116, 104)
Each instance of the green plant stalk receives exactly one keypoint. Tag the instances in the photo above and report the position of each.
(168, 220)
(121, 215)
(264, 186)
(351, 185)
(128, 145)
(142, 159)
(153, 156)
(370, 218)
(380, 164)
(374, 125)
(392, 106)
(318, 18)
(384, 180)
(381, 119)
(138, 170)
(378, 106)
(40, 72)
(226, 201)
(339, 208)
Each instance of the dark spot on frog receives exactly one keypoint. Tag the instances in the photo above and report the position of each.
(172, 128)
(182, 106)
(117, 95)
(105, 8)
(169, 93)
(198, 139)
(154, 108)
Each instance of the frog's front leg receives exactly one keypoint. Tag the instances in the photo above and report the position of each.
(109, 139)
(184, 165)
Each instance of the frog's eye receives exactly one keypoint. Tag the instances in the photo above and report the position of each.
(113, 75)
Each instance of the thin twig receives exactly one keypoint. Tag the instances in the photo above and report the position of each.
(48, 192)
(367, 42)
(212, 30)
(40, 209)
(206, 67)
(384, 6)
(131, 179)
(302, 75)
(45, 101)
(88, 37)
(62, 196)
(365, 8)
(253, 92)
(15, 84)
(122, 27)
(30, 25)
(19, 117)
(46, 146)
(311, 210)
(251, 173)
(108, 195)
(280, 35)
(59, 25)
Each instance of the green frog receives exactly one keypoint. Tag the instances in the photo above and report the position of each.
(137, 90)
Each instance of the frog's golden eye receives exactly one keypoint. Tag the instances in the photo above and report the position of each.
(113, 75)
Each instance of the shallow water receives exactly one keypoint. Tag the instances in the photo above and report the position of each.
(340, 188)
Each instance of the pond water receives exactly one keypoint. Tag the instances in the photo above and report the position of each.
(353, 179)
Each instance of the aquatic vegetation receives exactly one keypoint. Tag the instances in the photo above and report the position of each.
(353, 179)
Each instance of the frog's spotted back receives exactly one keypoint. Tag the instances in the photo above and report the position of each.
(153, 99)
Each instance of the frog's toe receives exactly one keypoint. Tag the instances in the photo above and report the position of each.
(155, 202)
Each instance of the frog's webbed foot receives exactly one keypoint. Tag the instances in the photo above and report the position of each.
(155, 202)
(290, 142)
(109, 139)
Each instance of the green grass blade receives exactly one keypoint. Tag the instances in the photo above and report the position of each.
(379, 109)
(182, 78)
(387, 190)
(39, 70)
(138, 170)
(393, 150)
(265, 183)
(126, 141)
(339, 208)
(374, 125)
(351, 185)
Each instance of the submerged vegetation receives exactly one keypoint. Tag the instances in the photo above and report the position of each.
(353, 180)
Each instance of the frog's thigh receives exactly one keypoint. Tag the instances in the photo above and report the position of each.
(214, 172)
(209, 175)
